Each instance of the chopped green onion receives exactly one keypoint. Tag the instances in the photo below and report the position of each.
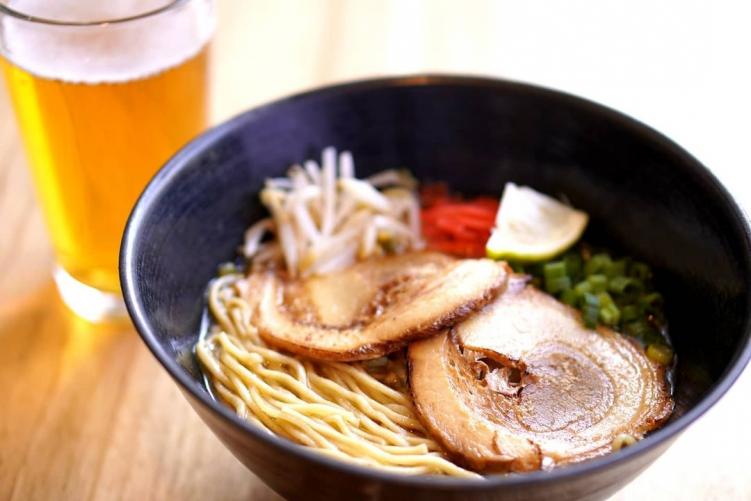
(605, 299)
(651, 301)
(569, 297)
(227, 269)
(616, 268)
(597, 264)
(590, 314)
(615, 292)
(621, 284)
(573, 265)
(636, 329)
(583, 288)
(557, 284)
(591, 300)
(610, 314)
(630, 312)
(660, 353)
(642, 331)
(640, 271)
(599, 283)
(554, 269)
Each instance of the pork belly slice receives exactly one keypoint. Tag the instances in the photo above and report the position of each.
(523, 383)
(374, 307)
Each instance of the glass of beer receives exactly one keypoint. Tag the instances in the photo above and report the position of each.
(104, 93)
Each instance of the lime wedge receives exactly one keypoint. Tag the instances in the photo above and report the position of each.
(531, 226)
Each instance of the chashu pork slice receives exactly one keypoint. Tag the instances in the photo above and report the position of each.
(523, 383)
(374, 307)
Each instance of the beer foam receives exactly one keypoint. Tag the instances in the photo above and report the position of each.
(108, 53)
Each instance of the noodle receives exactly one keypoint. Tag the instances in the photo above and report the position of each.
(338, 409)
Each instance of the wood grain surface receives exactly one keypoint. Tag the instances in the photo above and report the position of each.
(85, 410)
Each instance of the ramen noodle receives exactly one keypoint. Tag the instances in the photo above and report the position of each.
(338, 409)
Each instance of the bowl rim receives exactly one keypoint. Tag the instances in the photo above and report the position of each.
(172, 168)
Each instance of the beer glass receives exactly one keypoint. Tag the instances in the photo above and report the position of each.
(104, 93)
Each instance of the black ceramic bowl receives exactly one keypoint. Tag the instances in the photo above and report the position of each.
(646, 196)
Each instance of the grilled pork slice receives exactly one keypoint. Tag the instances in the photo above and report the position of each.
(523, 383)
(374, 307)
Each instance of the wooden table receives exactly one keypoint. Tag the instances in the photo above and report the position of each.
(86, 412)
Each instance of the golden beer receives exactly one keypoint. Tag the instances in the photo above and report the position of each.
(101, 105)
(93, 147)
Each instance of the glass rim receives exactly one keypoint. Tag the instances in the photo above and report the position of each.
(6, 10)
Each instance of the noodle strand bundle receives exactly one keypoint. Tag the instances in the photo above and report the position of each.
(338, 409)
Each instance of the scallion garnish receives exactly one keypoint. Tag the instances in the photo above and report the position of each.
(613, 292)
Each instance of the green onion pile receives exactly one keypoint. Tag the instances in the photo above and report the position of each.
(618, 293)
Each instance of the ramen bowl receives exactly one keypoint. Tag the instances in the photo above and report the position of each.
(646, 196)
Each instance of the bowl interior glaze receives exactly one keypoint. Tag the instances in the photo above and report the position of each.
(647, 197)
